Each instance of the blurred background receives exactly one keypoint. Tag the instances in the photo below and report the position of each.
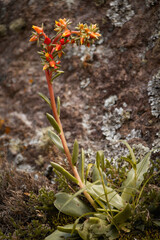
(108, 92)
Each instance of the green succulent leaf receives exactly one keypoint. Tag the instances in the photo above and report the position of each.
(114, 198)
(100, 159)
(96, 228)
(70, 206)
(89, 166)
(64, 172)
(57, 141)
(131, 152)
(53, 123)
(135, 178)
(46, 99)
(75, 153)
(95, 174)
(68, 228)
(122, 216)
(81, 165)
(58, 235)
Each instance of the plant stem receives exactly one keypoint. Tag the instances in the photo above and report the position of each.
(64, 143)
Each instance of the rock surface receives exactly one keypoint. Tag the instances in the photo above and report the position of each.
(108, 92)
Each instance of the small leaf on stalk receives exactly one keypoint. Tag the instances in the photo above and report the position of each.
(57, 75)
(53, 123)
(81, 165)
(95, 174)
(100, 159)
(68, 228)
(75, 153)
(57, 141)
(46, 99)
(131, 151)
(58, 105)
(64, 172)
(89, 166)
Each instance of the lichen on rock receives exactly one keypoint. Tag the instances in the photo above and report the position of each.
(154, 94)
(151, 2)
(120, 12)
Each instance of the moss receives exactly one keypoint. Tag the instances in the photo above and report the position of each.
(151, 234)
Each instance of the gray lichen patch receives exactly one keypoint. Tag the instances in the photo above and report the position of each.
(3, 30)
(154, 94)
(150, 3)
(17, 25)
(111, 123)
(120, 12)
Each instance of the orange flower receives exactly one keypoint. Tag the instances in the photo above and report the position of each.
(66, 33)
(81, 26)
(86, 30)
(48, 56)
(59, 54)
(45, 67)
(39, 30)
(47, 40)
(33, 39)
(81, 40)
(94, 35)
(61, 23)
(58, 47)
(52, 63)
(62, 41)
(72, 41)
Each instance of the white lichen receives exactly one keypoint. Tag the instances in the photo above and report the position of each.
(111, 123)
(154, 94)
(150, 3)
(120, 12)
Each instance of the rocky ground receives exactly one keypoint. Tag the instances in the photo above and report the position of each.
(108, 92)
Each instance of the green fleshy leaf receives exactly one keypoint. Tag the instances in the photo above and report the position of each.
(58, 235)
(57, 141)
(95, 174)
(89, 166)
(122, 216)
(64, 172)
(96, 228)
(131, 152)
(135, 178)
(114, 198)
(46, 99)
(70, 206)
(53, 123)
(75, 153)
(68, 228)
(100, 159)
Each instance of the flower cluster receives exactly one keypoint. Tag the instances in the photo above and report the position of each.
(87, 34)
(53, 47)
